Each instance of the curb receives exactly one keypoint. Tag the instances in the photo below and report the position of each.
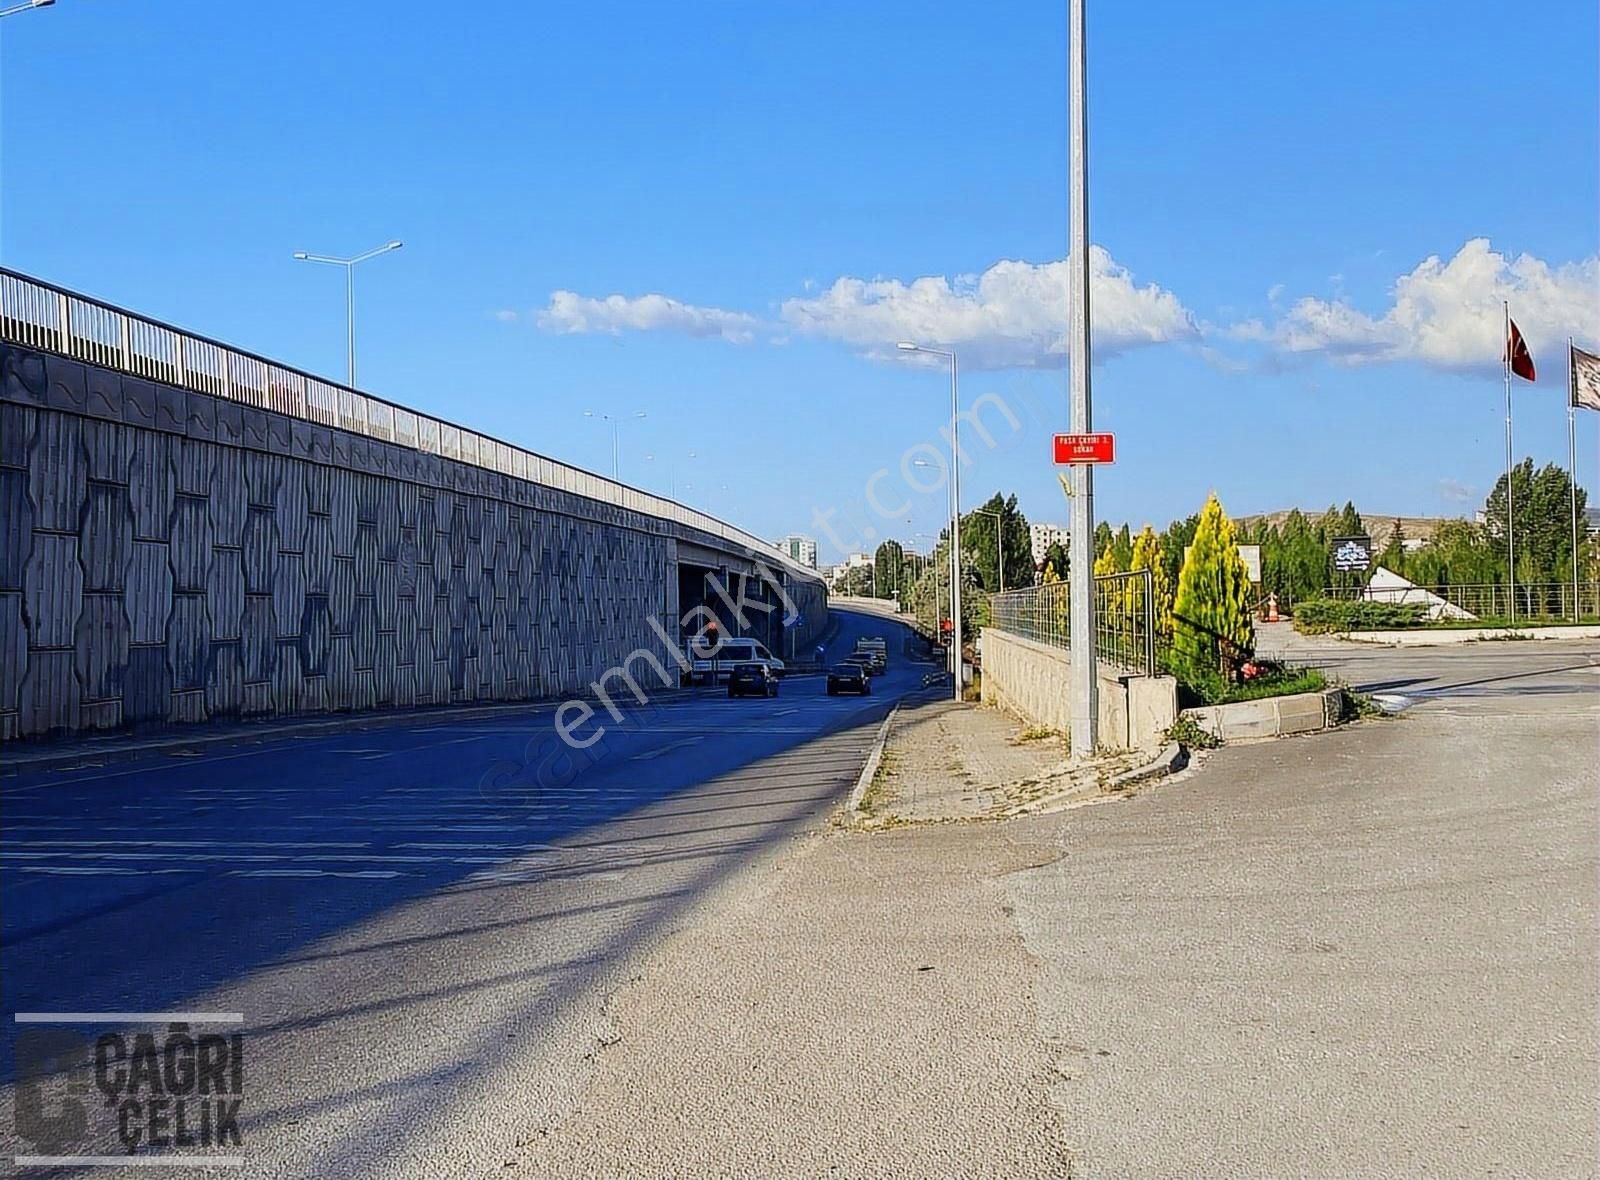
(853, 805)
(1173, 758)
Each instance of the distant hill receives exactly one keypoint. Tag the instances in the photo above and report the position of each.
(1416, 528)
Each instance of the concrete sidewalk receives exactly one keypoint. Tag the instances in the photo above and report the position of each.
(945, 761)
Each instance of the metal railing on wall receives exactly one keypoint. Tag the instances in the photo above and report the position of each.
(1125, 632)
(39, 315)
(1556, 601)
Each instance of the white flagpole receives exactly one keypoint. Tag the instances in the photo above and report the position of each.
(1511, 541)
(1572, 473)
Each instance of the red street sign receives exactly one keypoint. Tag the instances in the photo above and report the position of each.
(1084, 448)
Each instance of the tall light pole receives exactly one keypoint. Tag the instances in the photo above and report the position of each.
(999, 544)
(955, 510)
(349, 265)
(25, 6)
(615, 422)
(1083, 703)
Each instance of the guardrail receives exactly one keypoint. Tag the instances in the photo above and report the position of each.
(1125, 634)
(40, 315)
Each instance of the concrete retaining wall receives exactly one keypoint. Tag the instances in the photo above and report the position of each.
(1031, 680)
(167, 556)
(1304, 712)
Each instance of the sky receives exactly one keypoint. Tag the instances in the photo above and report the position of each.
(724, 215)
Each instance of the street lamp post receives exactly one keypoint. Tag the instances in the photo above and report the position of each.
(349, 265)
(955, 509)
(1084, 705)
(615, 421)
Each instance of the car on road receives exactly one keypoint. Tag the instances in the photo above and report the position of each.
(711, 662)
(752, 680)
(850, 676)
(864, 662)
(876, 649)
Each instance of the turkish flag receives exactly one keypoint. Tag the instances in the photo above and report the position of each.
(1521, 358)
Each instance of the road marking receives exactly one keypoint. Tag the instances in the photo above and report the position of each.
(670, 746)
(356, 874)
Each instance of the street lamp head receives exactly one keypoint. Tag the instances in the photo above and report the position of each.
(43, 3)
(588, 413)
(395, 245)
(301, 255)
(641, 414)
(907, 346)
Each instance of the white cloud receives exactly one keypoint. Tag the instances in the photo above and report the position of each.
(1014, 315)
(570, 313)
(1448, 315)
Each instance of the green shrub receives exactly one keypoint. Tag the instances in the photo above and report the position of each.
(1318, 616)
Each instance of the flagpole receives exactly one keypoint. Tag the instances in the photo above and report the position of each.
(1572, 471)
(1511, 540)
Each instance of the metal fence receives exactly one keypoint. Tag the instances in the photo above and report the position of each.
(1125, 618)
(1556, 601)
(39, 315)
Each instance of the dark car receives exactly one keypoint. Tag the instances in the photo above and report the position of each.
(752, 680)
(848, 677)
(864, 662)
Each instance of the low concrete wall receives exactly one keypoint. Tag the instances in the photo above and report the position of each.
(1031, 680)
(1271, 717)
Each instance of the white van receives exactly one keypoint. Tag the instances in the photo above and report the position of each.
(712, 662)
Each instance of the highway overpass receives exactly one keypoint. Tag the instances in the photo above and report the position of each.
(189, 531)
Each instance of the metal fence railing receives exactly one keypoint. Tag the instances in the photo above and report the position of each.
(38, 315)
(1125, 618)
(1555, 601)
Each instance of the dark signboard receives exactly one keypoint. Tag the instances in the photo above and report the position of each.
(1351, 554)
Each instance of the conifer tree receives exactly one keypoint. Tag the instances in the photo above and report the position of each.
(1212, 628)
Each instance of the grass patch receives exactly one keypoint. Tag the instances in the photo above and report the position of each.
(1276, 681)
(1281, 684)
(1186, 731)
(1037, 733)
(879, 793)
(1358, 706)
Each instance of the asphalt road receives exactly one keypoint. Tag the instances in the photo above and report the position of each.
(419, 924)
(1372, 953)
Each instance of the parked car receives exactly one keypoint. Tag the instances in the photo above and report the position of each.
(711, 663)
(752, 680)
(850, 676)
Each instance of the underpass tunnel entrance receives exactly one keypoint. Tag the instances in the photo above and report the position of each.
(736, 603)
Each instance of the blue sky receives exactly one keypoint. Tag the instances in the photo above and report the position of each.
(1266, 182)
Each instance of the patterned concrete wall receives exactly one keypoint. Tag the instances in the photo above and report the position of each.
(166, 556)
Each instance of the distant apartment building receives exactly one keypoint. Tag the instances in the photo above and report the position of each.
(1041, 537)
(801, 549)
(855, 561)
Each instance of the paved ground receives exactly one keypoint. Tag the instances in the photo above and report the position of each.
(1364, 954)
(1372, 953)
(420, 924)
(944, 760)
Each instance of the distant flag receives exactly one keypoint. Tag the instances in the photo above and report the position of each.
(1585, 379)
(1517, 351)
